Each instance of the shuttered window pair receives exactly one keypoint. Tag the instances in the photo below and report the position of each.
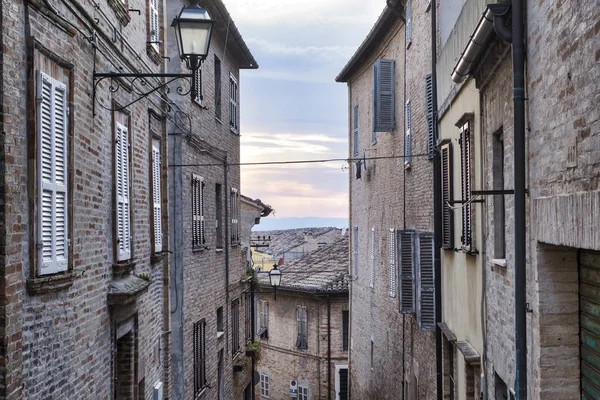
(198, 226)
(355, 136)
(154, 24)
(417, 282)
(429, 117)
(156, 197)
(233, 104)
(465, 170)
(392, 275)
(383, 96)
(407, 140)
(372, 258)
(447, 193)
(123, 183)
(199, 356)
(234, 201)
(301, 318)
(52, 178)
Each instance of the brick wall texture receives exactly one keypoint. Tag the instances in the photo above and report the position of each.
(60, 344)
(390, 197)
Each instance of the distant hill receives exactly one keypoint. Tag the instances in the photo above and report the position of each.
(271, 223)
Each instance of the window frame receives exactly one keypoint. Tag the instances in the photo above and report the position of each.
(345, 330)
(234, 204)
(122, 119)
(355, 131)
(303, 387)
(234, 104)
(157, 235)
(265, 390)
(466, 169)
(198, 217)
(219, 217)
(200, 382)
(264, 319)
(218, 89)
(447, 181)
(154, 12)
(301, 327)
(235, 327)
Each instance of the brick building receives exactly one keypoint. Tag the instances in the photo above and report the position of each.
(304, 331)
(210, 311)
(83, 277)
(391, 207)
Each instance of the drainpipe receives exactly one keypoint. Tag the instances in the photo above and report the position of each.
(518, 48)
(437, 210)
(328, 348)
(253, 327)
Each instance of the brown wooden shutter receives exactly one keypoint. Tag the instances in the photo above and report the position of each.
(406, 257)
(465, 167)
(426, 310)
(447, 212)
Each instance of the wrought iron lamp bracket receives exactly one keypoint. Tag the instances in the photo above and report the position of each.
(142, 85)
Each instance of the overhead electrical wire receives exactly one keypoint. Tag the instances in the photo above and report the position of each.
(348, 160)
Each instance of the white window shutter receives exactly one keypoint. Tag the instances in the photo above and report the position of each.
(52, 174)
(372, 251)
(122, 168)
(392, 243)
(407, 141)
(156, 198)
(154, 23)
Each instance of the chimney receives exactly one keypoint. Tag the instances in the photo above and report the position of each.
(308, 236)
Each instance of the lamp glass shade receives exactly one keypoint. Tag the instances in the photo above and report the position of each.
(193, 29)
(275, 276)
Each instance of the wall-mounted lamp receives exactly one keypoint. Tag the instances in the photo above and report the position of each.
(275, 279)
(193, 31)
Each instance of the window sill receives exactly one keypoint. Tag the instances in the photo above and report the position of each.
(220, 334)
(428, 6)
(153, 53)
(218, 120)
(156, 258)
(202, 393)
(122, 268)
(50, 284)
(235, 244)
(120, 10)
(499, 262)
(200, 249)
(219, 250)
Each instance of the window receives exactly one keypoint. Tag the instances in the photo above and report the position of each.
(217, 88)
(156, 197)
(199, 356)
(500, 388)
(465, 170)
(408, 23)
(406, 260)
(220, 326)
(372, 258)
(264, 319)
(383, 95)
(233, 104)
(355, 140)
(248, 316)
(52, 175)
(392, 243)
(122, 177)
(198, 229)
(372, 354)
(447, 193)
(355, 251)
(264, 385)
(199, 96)
(302, 338)
(345, 329)
(221, 376)
(426, 309)
(429, 111)
(219, 216)
(407, 142)
(234, 200)
(498, 182)
(235, 326)
(303, 391)
(154, 24)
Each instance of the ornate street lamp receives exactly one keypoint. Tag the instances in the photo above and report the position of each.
(193, 31)
(275, 279)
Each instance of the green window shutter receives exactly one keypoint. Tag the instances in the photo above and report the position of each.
(447, 212)
(429, 117)
(52, 174)
(426, 309)
(355, 130)
(385, 96)
(406, 261)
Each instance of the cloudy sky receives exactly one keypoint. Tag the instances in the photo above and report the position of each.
(291, 107)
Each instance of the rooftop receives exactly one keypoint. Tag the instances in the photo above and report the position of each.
(287, 239)
(325, 270)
